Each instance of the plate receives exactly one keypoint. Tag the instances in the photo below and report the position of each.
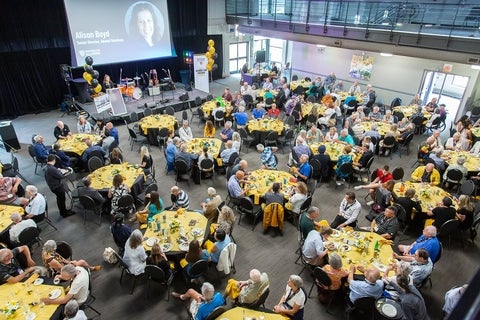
(166, 247)
(389, 310)
(183, 246)
(151, 241)
(345, 247)
(38, 281)
(196, 232)
(54, 294)
(335, 234)
(356, 234)
(30, 316)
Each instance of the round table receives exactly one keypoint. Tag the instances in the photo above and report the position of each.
(262, 92)
(102, 178)
(382, 127)
(179, 237)
(303, 83)
(150, 126)
(259, 181)
(249, 314)
(389, 308)
(428, 195)
(473, 160)
(264, 125)
(334, 150)
(307, 108)
(75, 143)
(344, 94)
(211, 105)
(5, 211)
(196, 146)
(348, 243)
(408, 111)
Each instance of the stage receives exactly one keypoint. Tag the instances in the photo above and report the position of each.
(157, 102)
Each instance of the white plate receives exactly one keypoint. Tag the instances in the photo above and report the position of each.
(151, 241)
(30, 316)
(196, 232)
(38, 281)
(345, 247)
(54, 294)
(184, 246)
(389, 310)
(335, 234)
(166, 247)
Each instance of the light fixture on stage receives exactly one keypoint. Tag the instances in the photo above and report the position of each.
(188, 57)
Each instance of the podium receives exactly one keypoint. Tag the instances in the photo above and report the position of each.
(8, 135)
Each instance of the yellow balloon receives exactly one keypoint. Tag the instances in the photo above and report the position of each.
(211, 61)
(209, 67)
(98, 88)
(87, 76)
(208, 55)
(211, 50)
(211, 43)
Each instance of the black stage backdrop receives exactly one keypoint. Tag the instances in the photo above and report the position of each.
(34, 43)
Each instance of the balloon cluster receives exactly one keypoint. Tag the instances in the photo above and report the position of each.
(91, 76)
(211, 56)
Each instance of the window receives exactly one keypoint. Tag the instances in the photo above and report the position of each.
(238, 56)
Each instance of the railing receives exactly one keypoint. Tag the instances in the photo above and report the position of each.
(457, 18)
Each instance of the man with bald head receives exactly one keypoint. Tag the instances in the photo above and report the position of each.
(233, 185)
(428, 241)
(242, 165)
(61, 131)
(427, 174)
(372, 286)
(15, 265)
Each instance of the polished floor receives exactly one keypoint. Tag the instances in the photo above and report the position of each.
(274, 255)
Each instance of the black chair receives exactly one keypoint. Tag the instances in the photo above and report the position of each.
(89, 204)
(217, 312)
(364, 306)
(454, 176)
(448, 228)
(41, 163)
(16, 169)
(474, 228)
(126, 204)
(219, 117)
(182, 170)
(247, 139)
(197, 270)
(286, 139)
(147, 112)
(156, 274)
(184, 115)
(207, 167)
(94, 163)
(316, 170)
(255, 305)
(467, 188)
(405, 145)
(347, 170)
(134, 138)
(30, 236)
(402, 219)
(398, 174)
(46, 219)
(201, 115)
(209, 97)
(162, 137)
(419, 126)
(364, 170)
(170, 111)
(271, 138)
(303, 208)
(323, 281)
(126, 270)
(64, 249)
(247, 208)
(251, 104)
(389, 145)
(91, 298)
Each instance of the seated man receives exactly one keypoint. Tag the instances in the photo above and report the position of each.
(428, 241)
(227, 152)
(86, 190)
(91, 148)
(309, 221)
(66, 160)
(314, 135)
(8, 190)
(241, 117)
(258, 112)
(345, 138)
(372, 286)
(72, 311)
(304, 171)
(183, 155)
(227, 132)
(36, 206)
(267, 156)
(201, 304)
(300, 148)
(459, 165)
(233, 185)
(427, 174)
(79, 285)
(171, 152)
(112, 131)
(179, 199)
(314, 249)
(348, 213)
(375, 114)
(15, 264)
(457, 143)
(273, 112)
(249, 291)
(436, 156)
(61, 131)
(386, 224)
(325, 162)
(443, 212)
(367, 154)
(41, 151)
(422, 267)
(18, 226)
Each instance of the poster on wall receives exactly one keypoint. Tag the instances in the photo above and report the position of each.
(201, 73)
(361, 67)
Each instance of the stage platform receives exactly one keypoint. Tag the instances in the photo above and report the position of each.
(155, 102)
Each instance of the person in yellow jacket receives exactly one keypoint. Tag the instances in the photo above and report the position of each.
(427, 174)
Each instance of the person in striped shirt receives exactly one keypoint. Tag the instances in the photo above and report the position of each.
(179, 199)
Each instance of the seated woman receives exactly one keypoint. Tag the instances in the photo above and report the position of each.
(293, 300)
(120, 232)
(202, 304)
(331, 135)
(237, 142)
(54, 262)
(209, 130)
(335, 272)
(345, 157)
(226, 219)
(146, 161)
(135, 256)
(116, 156)
(117, 190)
(83, 126)
(297, 198)
(153, 207)
(222, 239)
(267, 156)
(249, 291)
(194, 254)
(157, 258)
(464, 212)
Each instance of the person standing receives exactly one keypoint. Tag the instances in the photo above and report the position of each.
(54, 177)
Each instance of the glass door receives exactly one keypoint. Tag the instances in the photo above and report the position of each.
(238, 56)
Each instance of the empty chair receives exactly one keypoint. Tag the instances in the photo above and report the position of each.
(247, 139)
(29, 237)
(207, 167)
(156, 274)
(64, 249)
(89, 204)
(170, 111)
(94, 163)
(182, 171)
(364, 306)
(147, 112)
(134, 138)
(247, 208)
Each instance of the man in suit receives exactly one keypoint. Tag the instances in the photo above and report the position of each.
(54, 178)
(86, 190)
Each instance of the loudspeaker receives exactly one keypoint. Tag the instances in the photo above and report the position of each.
(184, 97)
(260, 56)
(150, 105)
(188, 88)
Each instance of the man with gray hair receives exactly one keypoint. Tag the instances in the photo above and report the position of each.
(248, 291)
(428, 241)
(459, 165)
(184, 156)
(86, 190)
(210, 205)
(79, 282)
(15, 264)
(18, 226)
(36, 206)
(241, 117)
(300, 148)
(201, 304)
(227, 132)
(185, 132)
(308, 221)
(71, 311)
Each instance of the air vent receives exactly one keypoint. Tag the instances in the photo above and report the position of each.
(473, 60)
(337, 43)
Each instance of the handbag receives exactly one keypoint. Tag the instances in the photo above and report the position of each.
(109, 255)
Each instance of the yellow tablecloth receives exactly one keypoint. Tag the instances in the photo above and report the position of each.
(352, 255)
(409, 110)
(184, 220)
(5, 211)
(266, 125)
(262, 179)
(295, 84)
(344, 94)
(382, 127)
(157, 121)
(196, 145)
(334, 150)
(473, 161)
(102, 178)
(211, 105)
(19, 292)
(238, 313)
(75, 144)
(307, 108)
(428, 195)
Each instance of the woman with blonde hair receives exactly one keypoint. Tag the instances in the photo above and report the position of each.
(158, 258)
(226, 219)
(83, 126)
(464, 212)
(135, 256)
(237, 141)
(209, 130)
(146, 160)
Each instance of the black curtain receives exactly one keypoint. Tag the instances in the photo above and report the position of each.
(34, 42)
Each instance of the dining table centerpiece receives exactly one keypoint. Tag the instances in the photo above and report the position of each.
(10, 308)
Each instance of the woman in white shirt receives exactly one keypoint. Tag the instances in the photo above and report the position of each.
(185, 132)
(297, 199)
(293, 300)
(331, 135)
(83, 126)
(135, 256)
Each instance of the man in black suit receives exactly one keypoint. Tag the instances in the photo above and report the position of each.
(54, 178)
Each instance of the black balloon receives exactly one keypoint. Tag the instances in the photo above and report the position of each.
(91, 91)
(89, 69)
(95, 74)
(215, 56)
(94, 83)
(214, 67)
(89, 60)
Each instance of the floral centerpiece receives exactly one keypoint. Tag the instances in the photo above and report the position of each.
(272, 177)
(424, 193)
(115, 172)
(10, 308)
(174, 225)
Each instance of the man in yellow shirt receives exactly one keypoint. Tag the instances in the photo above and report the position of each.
(427, 174)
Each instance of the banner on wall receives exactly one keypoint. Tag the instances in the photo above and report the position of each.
(361, 67)
(201, 73)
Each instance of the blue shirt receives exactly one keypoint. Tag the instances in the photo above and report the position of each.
(305, 170)
(228, 133)
(241, 118)
(432, 245)
(234, 187)
(205, 308)
(361, 289)
(258, 113)
(171, 151)
(348, 139)
(153, 210)
(89, 150)
(268, 158)
(114, 133)
(41, 151)
(220, 246)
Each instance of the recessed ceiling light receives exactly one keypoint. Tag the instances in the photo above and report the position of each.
(384, 54)
(321, 46)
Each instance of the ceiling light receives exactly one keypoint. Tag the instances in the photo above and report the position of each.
(384, 54)
(321, 46)
(475, 67)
